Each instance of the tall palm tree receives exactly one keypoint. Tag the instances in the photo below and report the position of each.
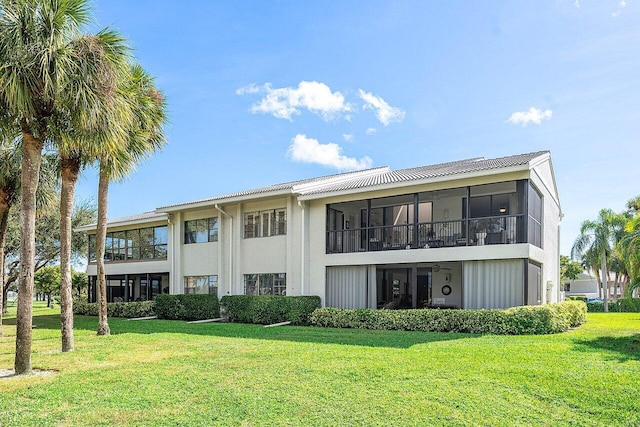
(145, 135)
(600, 237)
(37, 60)
(78, 144)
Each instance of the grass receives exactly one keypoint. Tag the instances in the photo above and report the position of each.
(173, 373)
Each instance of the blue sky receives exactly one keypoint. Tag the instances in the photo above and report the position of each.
(263, 92)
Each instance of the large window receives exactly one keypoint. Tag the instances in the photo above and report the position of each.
(535, 216)
(201, 285)
(265, 284)
(141, 243)
(201, 230)
(265, 223)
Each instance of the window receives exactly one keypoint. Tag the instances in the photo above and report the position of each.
(201, 230)
(535, 217)
(265, 223)
(265, 284)
(201, 285)
(92, 248)
(142, 243)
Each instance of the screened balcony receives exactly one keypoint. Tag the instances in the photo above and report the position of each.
(498, 214)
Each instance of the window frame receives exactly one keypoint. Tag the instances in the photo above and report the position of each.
(265, 223)
(128, 245)
(211, 284)
(265, 284)
(201, 230)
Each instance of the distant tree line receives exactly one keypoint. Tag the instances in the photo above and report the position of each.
(611, 244)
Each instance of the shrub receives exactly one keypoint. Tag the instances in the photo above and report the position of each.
(547, 319)
(268, 309)
(596, 307)
(629, 305)
(187, 307)
(577, 311)
(127, 310)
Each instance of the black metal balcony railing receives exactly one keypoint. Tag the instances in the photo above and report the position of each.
(504, 229)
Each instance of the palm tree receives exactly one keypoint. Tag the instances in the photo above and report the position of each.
(38, 59)
(630, 247)
(144, 136)
(77, 146)
(600, 237)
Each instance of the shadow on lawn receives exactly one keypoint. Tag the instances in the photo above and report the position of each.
(359, 337)
(623, 348)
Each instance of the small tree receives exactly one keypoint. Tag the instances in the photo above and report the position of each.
(569, 270)
(79, 282)
(47, 281)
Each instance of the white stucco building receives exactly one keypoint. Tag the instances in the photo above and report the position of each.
(475, 233)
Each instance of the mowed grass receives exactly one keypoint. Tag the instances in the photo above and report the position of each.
(173, 373)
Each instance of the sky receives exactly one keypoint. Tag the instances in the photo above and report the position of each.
(265, 92)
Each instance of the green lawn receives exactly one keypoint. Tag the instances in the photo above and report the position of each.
(172, 373)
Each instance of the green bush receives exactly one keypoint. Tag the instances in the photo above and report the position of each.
(597, 307)
(128, 310)
(267, 309)
(577, 311)
(622, 305)
(546, 319)
(187, 307)
(629, 305)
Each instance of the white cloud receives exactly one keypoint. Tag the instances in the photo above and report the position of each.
(384, 112)
(576, 3)
(309, 150)
(371, 131)
(348, 137)
(622, 5)
(533, 115)
(285, 102)
(248, 89)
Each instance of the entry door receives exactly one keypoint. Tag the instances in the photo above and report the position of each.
(424, 287)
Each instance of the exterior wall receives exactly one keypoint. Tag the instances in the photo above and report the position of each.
(237, 255)
(549, 256)
(301, 253)
(439, 280)
(320, 260)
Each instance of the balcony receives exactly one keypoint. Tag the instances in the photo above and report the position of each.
(493, 230)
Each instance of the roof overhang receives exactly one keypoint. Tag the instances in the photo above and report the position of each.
(208, 203)
(430, 180)
(123, 222)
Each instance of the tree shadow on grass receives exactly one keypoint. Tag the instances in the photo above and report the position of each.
(358, 337)
(622, 348)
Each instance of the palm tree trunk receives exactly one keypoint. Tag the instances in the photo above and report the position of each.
(605, 281)
(69, 168)
(4, 218)
(31, 159)
(101, 234)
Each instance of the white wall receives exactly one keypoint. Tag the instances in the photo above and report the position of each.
(542, 178)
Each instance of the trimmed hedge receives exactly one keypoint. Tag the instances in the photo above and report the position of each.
(268, 309)
(622, 305)
(187, 307)
(128, 310)
(525, 320)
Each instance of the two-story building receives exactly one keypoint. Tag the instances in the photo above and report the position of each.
(475, 233)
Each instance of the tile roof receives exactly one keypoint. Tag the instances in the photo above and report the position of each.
(139, 218)
(286, 187)
(370, 178)
(426, 172)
